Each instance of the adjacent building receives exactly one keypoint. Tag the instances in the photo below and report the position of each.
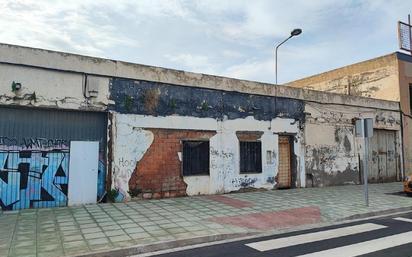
(387, 77)
(167, 133)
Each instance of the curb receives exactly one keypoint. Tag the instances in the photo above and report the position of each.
(168, 245)
(376, 213)
(134, 250)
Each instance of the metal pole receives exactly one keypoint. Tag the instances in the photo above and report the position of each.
(276, 65)
(276, 57)
(365, 169)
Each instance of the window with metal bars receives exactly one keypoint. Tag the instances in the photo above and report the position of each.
(195, 158)
(250, 157)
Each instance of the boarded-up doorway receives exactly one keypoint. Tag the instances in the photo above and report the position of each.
(383, 157)
(284, 177)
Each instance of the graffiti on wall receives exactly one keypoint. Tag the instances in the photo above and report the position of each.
(101, 177)
(34, 173)
(33, 179)
(34, 143)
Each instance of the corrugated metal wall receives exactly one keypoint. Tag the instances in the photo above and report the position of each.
(34, 154)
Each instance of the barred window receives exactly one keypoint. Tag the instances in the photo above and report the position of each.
(195, 158)
(250, 157)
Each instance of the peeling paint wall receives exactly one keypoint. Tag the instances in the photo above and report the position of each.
(52, 89)
(376, 78)
(65, 62)
(224, 151)
(332, 150)
(148, 105)
(158, 99)
(145, 100)
(387, 77)
(159, 173)
(129, 145)
(327, 155)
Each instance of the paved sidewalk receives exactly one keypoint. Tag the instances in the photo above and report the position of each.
(92, 228)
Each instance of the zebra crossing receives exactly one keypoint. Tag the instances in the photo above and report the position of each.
(400, 237)
(377, 237)
(366, 247)
(313, 237)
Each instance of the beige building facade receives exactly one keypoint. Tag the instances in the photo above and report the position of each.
(387, 77)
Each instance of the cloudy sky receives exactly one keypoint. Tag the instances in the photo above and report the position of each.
(222, 37)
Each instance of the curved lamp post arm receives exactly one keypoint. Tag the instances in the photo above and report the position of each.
(293, 33)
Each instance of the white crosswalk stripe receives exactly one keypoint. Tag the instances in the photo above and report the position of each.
(273, 244)
(365, 247)
(403, 219)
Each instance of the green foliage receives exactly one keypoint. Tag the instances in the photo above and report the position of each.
(134, 192)
(15, 86)
(112, 194)
(33, 96)
(204, 106)
(173, 103)
(128, 103)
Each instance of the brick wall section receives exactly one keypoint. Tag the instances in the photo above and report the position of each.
(158, 174)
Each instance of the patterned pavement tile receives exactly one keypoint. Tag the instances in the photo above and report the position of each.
(83, 229)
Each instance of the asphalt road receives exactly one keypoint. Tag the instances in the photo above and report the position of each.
(386, 236)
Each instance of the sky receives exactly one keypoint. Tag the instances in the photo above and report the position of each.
(220, 37)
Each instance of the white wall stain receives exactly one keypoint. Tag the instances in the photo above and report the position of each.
(330, 143)
(129, 146)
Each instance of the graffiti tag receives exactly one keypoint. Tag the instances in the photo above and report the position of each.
(35, 143)
(33, 179)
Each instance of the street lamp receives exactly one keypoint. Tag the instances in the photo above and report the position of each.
(295, 32)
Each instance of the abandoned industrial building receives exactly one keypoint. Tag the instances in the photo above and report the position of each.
(152, 132)
(387, 77)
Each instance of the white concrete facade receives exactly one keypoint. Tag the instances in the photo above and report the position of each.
(224, 150)
(51, 89)
(66, 81)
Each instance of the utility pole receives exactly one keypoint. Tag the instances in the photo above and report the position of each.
(364, 129)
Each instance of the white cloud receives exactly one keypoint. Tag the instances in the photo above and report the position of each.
(232, 38)
(59, 25)
(261, 70)
(198, 63)
(232, 54)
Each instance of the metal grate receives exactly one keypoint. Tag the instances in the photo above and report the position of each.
(250, 157)
(404, 31)
(195, 158)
